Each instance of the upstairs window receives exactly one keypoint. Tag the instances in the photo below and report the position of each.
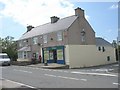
(103, 49)
(20, 44)
(59, 36)
(83, 35)
(99, 48)
(45, 38)
(35, 40)
(25, 42)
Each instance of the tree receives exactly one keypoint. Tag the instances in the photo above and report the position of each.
(9, 46)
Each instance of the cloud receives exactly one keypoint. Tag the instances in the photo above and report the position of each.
(36, 12)
(94, 1)
(114, 6)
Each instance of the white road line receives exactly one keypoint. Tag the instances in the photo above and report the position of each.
(50, 75)
(65, 77)
(99, 74)
(60, 70)
(19, 83)
(68, 77)
(66, 71)
(83, 79)
(55, 70)
(116, 83)
(22, 71)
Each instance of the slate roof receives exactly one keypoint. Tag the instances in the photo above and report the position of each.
(61, 24)
(102, 42)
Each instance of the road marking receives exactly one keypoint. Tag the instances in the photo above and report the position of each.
(100, 70)
(3, 67)
(65, 77)
(116, 83)
(66, 71)
(68, 77)
(22, 71)
(19, 83)
(83, 79)
(99, 74)
(50, 75)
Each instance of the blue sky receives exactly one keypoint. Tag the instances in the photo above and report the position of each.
(15, 15)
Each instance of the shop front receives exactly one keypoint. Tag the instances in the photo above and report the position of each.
(54, 55)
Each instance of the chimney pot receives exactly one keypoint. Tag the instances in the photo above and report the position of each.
(79, 12)
(54, 19)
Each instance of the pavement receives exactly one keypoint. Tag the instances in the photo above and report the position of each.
(49, 66)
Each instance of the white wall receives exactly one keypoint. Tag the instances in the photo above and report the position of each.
(87, 55)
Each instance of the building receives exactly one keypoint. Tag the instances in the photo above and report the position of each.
(70, 41)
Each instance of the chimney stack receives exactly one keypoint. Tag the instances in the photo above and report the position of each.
(54, 19)
(29, 28)
(79, 12)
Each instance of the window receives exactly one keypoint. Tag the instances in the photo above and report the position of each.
(20, 54)
(25, 42)
(51, 54)
(59, 36)
(103, 49)
(99, 48)
(35, 40)
(83, 35)
(45, 38)
(20, 44)
(25, 54)
(60, 54)
(108, 58)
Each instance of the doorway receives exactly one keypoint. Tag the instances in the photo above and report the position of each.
(55, 56)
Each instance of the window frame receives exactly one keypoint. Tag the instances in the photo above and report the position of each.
(45, 38)
(20, 44)
(35, 40)
(59, 36)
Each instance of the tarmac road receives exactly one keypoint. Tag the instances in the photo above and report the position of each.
(33, 77)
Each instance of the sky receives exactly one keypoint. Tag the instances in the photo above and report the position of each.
(16, 15)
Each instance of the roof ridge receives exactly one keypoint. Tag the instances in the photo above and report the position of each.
(58, 20)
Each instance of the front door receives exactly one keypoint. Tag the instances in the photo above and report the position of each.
(55, 56)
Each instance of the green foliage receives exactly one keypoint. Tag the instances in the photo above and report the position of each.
(9, 46)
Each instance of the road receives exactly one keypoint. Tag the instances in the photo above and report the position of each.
(56, 78)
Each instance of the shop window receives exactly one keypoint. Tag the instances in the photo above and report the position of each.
(60, 54)
(51, 55)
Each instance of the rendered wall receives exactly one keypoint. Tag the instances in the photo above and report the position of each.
(87, 55)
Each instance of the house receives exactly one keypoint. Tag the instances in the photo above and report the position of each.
(70, 41)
